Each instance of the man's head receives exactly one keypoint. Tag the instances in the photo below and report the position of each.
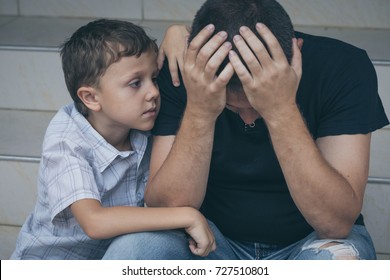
(94, 47)
(230, 15)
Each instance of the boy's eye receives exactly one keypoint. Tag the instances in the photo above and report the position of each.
(135, 84)
(154, 80)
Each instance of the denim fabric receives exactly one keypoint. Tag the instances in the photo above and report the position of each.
(173, 245)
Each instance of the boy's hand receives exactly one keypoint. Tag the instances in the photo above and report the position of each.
(206, 92)
(173, 47)
(202, 242)
(270, 82)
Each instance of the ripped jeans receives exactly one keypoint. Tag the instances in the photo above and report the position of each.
(169, 245)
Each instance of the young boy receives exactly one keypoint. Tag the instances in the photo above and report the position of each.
(95, 159)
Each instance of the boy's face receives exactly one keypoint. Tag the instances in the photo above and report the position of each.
(128, 93)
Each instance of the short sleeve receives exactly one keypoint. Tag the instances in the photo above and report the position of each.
(350, 99)
(67, 177)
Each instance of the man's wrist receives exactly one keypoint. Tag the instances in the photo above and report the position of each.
(200, 117)
(282, 118)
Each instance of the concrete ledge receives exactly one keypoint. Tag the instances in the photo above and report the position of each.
(50, 32)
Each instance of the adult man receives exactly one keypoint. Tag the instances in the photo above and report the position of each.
(277, 160)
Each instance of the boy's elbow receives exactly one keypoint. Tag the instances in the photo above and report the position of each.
(94, 230)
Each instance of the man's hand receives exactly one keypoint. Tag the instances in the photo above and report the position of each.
(270, 82)
(206, 92)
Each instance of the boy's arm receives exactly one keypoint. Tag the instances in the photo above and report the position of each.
(173, 46)
(99, 222)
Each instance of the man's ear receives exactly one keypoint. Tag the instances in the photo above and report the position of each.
(88, 96)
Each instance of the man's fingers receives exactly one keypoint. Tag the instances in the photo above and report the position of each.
(247, 53)
(216, 60)
(300, 43)
(197, 42)
(273, 45)
(209, 48)
(240, 69)
(224, 77)
(296, 62)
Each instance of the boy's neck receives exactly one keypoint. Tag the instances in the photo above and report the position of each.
(118, 138)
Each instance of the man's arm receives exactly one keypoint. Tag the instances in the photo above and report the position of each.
(180, 165)
(326, 179)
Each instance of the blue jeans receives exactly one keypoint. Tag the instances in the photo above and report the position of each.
(173, 245)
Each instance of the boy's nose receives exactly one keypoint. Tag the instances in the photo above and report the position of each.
(152, 93)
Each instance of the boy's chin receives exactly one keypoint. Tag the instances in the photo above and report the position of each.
(146, 127)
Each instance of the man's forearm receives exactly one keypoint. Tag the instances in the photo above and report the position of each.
(182, 178)
(322, 194)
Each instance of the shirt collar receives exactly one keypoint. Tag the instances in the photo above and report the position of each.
(104, 152)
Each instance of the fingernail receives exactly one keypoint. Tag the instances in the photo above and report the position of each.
(237, 38)
(232, 53)
(227, 45)
(243, 29)
(210, 27)
(260, 25)
(223, 34)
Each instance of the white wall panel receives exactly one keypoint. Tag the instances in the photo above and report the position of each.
(340, 13)
(32, 80)
(171, 10)
(18, 191)
(130, 9)
(8, 7)
(376, 211)
(383, 73)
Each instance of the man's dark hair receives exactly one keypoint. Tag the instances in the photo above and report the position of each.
(94, 47)
(230, 15)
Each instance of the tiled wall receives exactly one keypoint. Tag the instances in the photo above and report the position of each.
(341, 13)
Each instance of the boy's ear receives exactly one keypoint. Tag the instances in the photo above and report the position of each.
(88, 96)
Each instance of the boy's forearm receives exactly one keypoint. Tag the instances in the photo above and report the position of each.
(101, 223)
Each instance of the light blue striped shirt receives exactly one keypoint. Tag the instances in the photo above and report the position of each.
(78, 163)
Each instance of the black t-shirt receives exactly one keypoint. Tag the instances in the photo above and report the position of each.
(247, 196)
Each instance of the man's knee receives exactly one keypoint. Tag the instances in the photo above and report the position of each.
(329, 250)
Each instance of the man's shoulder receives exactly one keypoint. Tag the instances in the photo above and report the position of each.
(326, 56)
(322, 45)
